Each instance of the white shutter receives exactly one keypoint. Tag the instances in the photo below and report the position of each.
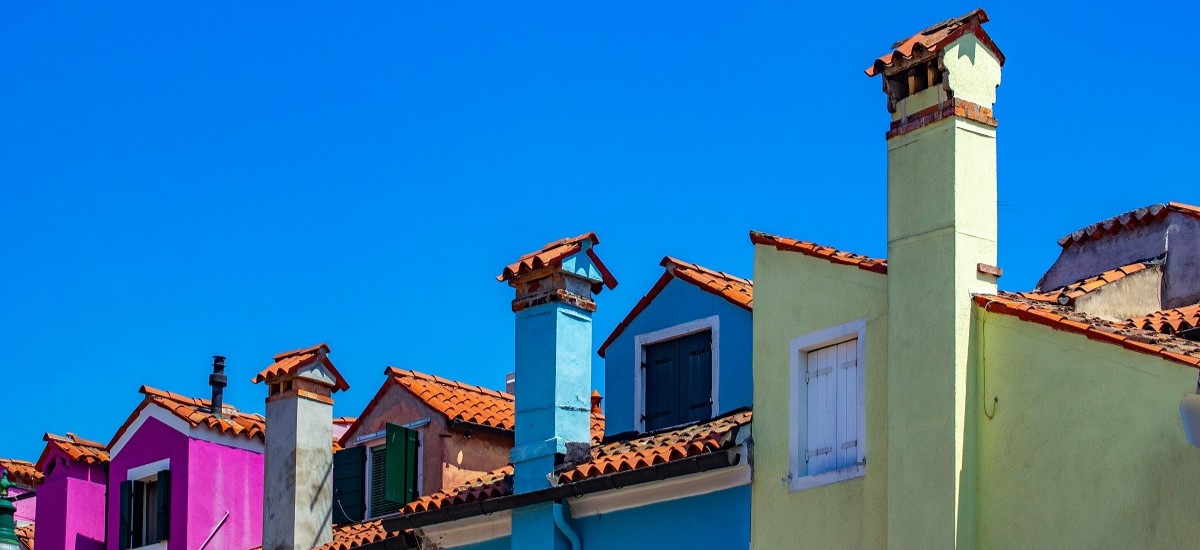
(848, 407)
(822, 410)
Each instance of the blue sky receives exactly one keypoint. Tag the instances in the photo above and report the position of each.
(184, 180)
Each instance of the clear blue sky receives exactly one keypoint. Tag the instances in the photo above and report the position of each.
(183, 180)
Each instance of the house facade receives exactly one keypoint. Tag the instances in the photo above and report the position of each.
(908, 403)
(72, 498)
(25, 479)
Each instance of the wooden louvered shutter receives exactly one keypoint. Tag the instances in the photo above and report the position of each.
(401, 445)
(661, 388)
(349, 473)
(695, 377)
(822, 410)
(164, 506)
(138, 522)
(848, 372)
(126, 527)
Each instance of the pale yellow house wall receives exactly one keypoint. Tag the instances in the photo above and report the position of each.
(1085, 449)
(795, 295)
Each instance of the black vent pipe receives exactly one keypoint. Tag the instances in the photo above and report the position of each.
(218, 381)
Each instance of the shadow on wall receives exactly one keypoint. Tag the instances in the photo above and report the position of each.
(87, 543)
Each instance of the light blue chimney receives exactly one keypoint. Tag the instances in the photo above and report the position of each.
(553, 305)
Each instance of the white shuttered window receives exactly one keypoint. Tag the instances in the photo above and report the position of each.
(828, 423)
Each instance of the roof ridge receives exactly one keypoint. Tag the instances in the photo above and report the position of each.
(829, 253)
(1138, 217)
(300, 351)
(676, 261)
(410, 373)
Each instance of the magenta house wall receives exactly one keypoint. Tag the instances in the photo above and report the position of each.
(71, 504)
(216, 490)
(26, 507)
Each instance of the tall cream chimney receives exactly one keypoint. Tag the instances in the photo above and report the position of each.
(298, 466)
(941, 85)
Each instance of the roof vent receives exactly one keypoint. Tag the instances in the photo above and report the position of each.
(510, 383)
(218, 381)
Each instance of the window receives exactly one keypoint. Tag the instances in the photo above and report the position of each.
(373, 481)
(145, 510)
(678, 380)
(828, 420)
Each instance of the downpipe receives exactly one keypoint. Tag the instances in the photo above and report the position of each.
(561, 521)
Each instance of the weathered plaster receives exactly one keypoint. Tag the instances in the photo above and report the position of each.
(1131, 296)
(298, 474)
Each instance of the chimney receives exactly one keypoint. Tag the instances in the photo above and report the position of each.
(218, 381)
(941, 85)
(553, 305)
(297, 477)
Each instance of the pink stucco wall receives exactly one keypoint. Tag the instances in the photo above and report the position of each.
(71, 505)
(224, 480)
(26, 507)
(207, 480)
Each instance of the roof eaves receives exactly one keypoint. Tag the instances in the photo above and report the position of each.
(827, 253)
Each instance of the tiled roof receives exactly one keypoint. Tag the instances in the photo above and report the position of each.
(1062, 317)
(345, 420)
(1067, 294)
(553, 254)
(935, 38)
(1129, 220)
(738, 291)
(77, 448)
(607, 458)
(25, 536)
(289, 362)
(21, 472)
(198, 412)
(824, 252)
(460, 401)
(1169, 321)
(354, 535)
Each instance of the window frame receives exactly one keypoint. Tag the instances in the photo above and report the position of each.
(144, 473)
(799, 349)
(641, 341)
(377, 440)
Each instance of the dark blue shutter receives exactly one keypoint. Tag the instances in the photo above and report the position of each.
(401, 445)
(126, 528)
(349, 478)
(695, 377)
(661, 370)
(137, 522)
(164, 505)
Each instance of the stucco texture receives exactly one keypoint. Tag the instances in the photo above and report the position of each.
(797, 295)
(680, 302)
(1085, 449)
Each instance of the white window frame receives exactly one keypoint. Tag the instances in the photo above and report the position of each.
(641, 341)
(799, 348)
(146, 472)
(376, 440)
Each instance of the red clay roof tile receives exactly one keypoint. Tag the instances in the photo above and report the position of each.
(75, 447)
(459, 401)
(824, 252)
(354, 535)
(198, 412)
(934, 38)
(1169, 321)
(1065, 318)
(1067, 294)
(21, 472)
(552, 255)
(738, 291)
(1135, 218)
(290, 362)
(25, 536)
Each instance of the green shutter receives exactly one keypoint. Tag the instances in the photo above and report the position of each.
(401, 446)
(164, 505)
(137, 523)
(126, 527)
(348, 482)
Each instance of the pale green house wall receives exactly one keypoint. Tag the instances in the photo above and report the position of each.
(1085, 448)
(795, 295)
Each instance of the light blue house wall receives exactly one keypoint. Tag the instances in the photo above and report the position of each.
(680, 302)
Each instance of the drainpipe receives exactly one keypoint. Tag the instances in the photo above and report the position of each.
(564, 527)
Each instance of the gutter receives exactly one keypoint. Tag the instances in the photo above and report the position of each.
(618, 480)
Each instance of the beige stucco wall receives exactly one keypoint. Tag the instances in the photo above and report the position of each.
(1085, 449)
(1131, 296)
(796, 295)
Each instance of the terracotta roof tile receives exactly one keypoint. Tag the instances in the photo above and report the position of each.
(607, 458)
(1067, 294)
(75, 447)
(344, 420)
(198, 412)
(460, 401)
(824, 252)
(290, 362)
(1135, 218)
(354, 535)
(738, 291)
(25, 536)
(21, 472)
(553, 254)
(934, 38)
(1062, 317)
(1169, 321)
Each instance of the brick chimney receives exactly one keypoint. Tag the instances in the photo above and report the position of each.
(553, 305)
(298, 466)
(940, 85)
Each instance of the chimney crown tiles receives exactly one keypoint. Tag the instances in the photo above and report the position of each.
(311, 363)
(574, 255)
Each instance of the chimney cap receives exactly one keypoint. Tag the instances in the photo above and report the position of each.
(289, 364)
(563, 251)
(927, 43)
